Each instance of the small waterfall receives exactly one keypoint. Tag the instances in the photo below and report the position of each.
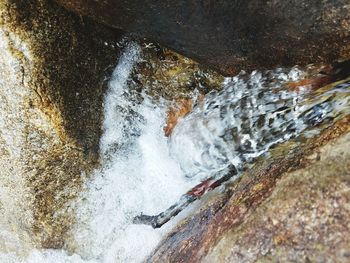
(138, 174)
(248, 116)
(144, 171)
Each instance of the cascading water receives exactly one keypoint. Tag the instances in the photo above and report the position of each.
(232, 127)
(246, 118)
(138, 175)
(144, 171)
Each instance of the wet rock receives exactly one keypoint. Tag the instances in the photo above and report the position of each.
(167, 74)
(234, 35)
(53, 67)
(291, 207)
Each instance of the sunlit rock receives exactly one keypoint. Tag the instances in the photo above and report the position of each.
(53, 67)
(163, 73)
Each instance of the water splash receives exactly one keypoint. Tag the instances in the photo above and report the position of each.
(243, 121)
(138, 174)
(246, 118)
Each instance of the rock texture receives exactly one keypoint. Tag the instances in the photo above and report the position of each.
(167, 74)
(234, 35)
(292, 207)
(53, 67)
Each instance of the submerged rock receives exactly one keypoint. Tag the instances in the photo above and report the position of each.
(53, 67)
(234, 35)
(292, 206)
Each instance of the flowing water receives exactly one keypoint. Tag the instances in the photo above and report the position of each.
(251, 114)
(144, 171)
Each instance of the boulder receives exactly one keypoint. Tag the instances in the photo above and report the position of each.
(233, 35)
(53, 71)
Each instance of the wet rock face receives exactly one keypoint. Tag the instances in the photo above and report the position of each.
(290, 207)
(71, 55)
(234, 35)
(306, 218)
(53, 67)
(163, 73)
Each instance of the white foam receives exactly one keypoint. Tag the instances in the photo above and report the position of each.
(44, 256)
(139, 175)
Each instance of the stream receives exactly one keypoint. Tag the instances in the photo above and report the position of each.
(143, 171)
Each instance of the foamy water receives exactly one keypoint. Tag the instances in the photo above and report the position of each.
(143, 171)
(139, 175)
(249, 115)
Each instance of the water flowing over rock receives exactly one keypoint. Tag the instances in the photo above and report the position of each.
(53, 67)
(234, 35)
(292, 206)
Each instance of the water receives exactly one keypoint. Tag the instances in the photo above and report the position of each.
(251, 114)
(143, 171)
(146, 172)
(138, 175)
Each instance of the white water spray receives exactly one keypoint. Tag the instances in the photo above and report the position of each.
(138, 174)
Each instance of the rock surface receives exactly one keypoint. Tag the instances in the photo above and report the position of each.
(164, 73)
(53, 67)
(234, 35)
(293, 207)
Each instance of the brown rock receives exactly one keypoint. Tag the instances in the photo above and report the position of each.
(234, 35)
(53, 67)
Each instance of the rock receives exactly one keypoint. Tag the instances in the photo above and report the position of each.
(291, 207)
(167, 74)
(233, 35)
(53, 67)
